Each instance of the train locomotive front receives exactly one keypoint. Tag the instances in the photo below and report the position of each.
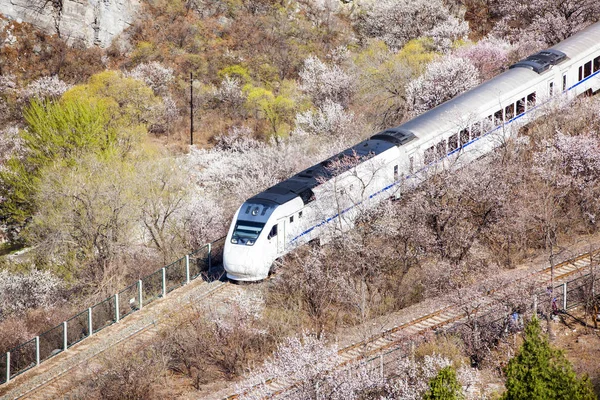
(251, 246)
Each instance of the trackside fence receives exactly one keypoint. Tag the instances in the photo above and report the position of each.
(110, 310)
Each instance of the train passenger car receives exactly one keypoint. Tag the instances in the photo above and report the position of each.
(326, 198)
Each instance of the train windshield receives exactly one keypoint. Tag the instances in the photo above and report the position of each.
(246, 232)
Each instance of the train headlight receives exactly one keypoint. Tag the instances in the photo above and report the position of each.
(250, 242)
(234, 240)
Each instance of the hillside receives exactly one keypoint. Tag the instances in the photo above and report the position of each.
(100, 185)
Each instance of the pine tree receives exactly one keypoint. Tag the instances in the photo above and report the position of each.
(444, 386)
(542, 372)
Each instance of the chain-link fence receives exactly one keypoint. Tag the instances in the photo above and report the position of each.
(109, 311)
(52, 342)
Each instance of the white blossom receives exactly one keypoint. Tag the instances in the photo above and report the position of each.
(536, 24)
(45, 87)
(321, 82)
(447, 32)
(412, 377)
(398, 21)
(238, 139)
(155, 75)
(329, 119)
(442, 80)
(7, 83)
(230, 92)
(11, 144)
(304, 360)
(489, 56)
(20, 292)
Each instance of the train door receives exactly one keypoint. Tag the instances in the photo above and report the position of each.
(281, 236)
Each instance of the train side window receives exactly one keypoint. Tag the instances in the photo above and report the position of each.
(521, 106)
(580, 76)
(498, 118)
(292, 218)
(489, 123)
(597, 64)
(440, 148)
(550, 88)
(395, 173)
(453, 142)
(509, 111)
(300, 214)
(273, 232)
(564, 87)
(476, 128)
(587, 69)
(464, 136)
(531, 98)
(429, 155)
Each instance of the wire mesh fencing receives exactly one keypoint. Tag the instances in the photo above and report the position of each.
(22, 358)
(103, 314)
(3, 370)
(52, 342)
(128, 300)
(199, 261)
(78, 328)
(109, 311)
(175, 275)
(152, 287)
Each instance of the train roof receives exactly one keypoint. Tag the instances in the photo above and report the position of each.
(457, 113)
(581, 43)
(454, 114)
(302, 183)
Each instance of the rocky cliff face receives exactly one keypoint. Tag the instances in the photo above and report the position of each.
(80, 22)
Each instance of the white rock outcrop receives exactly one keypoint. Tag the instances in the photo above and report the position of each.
(82, 22)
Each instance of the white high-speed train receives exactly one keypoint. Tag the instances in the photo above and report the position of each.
(327, 197)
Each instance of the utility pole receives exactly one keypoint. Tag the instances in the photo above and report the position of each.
(191, 108)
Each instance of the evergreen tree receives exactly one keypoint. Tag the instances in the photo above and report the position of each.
(444, 386)
(542, 372)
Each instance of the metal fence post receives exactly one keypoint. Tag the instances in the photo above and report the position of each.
(164, 282)
(90, 326)
(140, 294)
(534, 305)
(7, 366)
(565, 296)
(187, 269)
(65, 341)
(209, 256)
(37, 350)
(117, 316)
(381, 365)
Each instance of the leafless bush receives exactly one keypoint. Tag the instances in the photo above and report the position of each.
(136, 375)
(206, 344)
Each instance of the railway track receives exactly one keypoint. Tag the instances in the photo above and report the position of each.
(58, 376)
(441, 318)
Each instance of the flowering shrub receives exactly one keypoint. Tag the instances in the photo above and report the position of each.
(154, 75)
(322, 82)
(442, 80)
(329, 119)
(20, 292)
(46, 87)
